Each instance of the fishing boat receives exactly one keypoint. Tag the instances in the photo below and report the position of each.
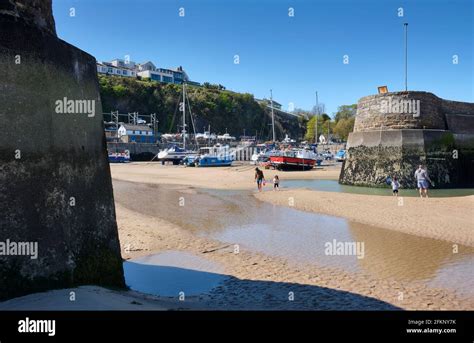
(295, 159)
(119, 157)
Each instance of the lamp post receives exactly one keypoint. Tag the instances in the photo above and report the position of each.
(406, 55)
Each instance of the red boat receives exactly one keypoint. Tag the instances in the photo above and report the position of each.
(294, 160)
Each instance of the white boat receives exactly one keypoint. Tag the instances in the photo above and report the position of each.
(175, 153)
(288, 140)
(207, 135)
(226, 137)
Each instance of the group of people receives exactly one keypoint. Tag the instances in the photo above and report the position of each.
(260, 179)
(422, 182)
(421, 176)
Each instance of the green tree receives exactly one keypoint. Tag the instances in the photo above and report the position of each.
(343, 127)
(323, 122)
(345, 112)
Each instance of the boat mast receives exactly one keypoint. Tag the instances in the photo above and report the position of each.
(184, 115)
(317, 117)
(273, 115)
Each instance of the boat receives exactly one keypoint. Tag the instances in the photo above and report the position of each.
(174, 154)
(288, 140)
(214, 161)
(341, 155)
(295, 159)
(119, 157)
(215, 156)
(226, 137)
(207, 135)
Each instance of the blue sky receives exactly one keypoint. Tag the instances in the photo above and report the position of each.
(294, 56)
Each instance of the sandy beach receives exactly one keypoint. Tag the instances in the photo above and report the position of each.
(260, 278)
(236, 177)
(450, 219)
(149, 221)
(149, 234)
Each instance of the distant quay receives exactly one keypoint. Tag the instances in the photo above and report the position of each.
(395, 132)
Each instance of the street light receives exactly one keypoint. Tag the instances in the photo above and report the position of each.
(406, 56)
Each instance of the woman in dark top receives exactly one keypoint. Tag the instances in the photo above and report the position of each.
(259, 178)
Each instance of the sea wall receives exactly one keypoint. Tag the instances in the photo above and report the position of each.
(395, 132)
(55, 184)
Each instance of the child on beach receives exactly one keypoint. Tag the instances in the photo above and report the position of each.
(276, 183)
(395, 186)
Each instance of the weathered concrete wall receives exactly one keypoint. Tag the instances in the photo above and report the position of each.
(34, 12)
(372, 111)
(436, 132)
(374, 155)
(55, 185)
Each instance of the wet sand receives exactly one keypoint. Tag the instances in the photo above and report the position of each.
(257, 280)
(235, 177)
(450, 219)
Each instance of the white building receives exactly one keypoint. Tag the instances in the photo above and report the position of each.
(145, 70)
(130, 133)
(117, 67)
(150, 71)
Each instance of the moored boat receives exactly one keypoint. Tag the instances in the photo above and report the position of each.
(174, 154)
(214, 161)
(119, 157)
(296, 159)
(216, 156)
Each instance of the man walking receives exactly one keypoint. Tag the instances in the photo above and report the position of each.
(422, 179)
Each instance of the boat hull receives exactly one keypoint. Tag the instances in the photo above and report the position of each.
(291, 163)
(214, 162)
(118, 159)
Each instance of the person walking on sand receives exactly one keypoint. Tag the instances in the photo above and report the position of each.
(276, 183)
(395, 186)
(422, 179)
(259, 178)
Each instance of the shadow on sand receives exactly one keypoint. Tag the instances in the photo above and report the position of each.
(224, 292)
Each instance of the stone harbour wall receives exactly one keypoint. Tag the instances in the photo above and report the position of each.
(55, 184)
(395, 132)
(407, 110)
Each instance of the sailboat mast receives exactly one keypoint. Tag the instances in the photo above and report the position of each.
(273, 115)
(317, 117)
(184, 116)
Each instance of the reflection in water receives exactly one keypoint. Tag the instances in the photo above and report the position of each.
(172, 272)
(238, 217)
(334, 186)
